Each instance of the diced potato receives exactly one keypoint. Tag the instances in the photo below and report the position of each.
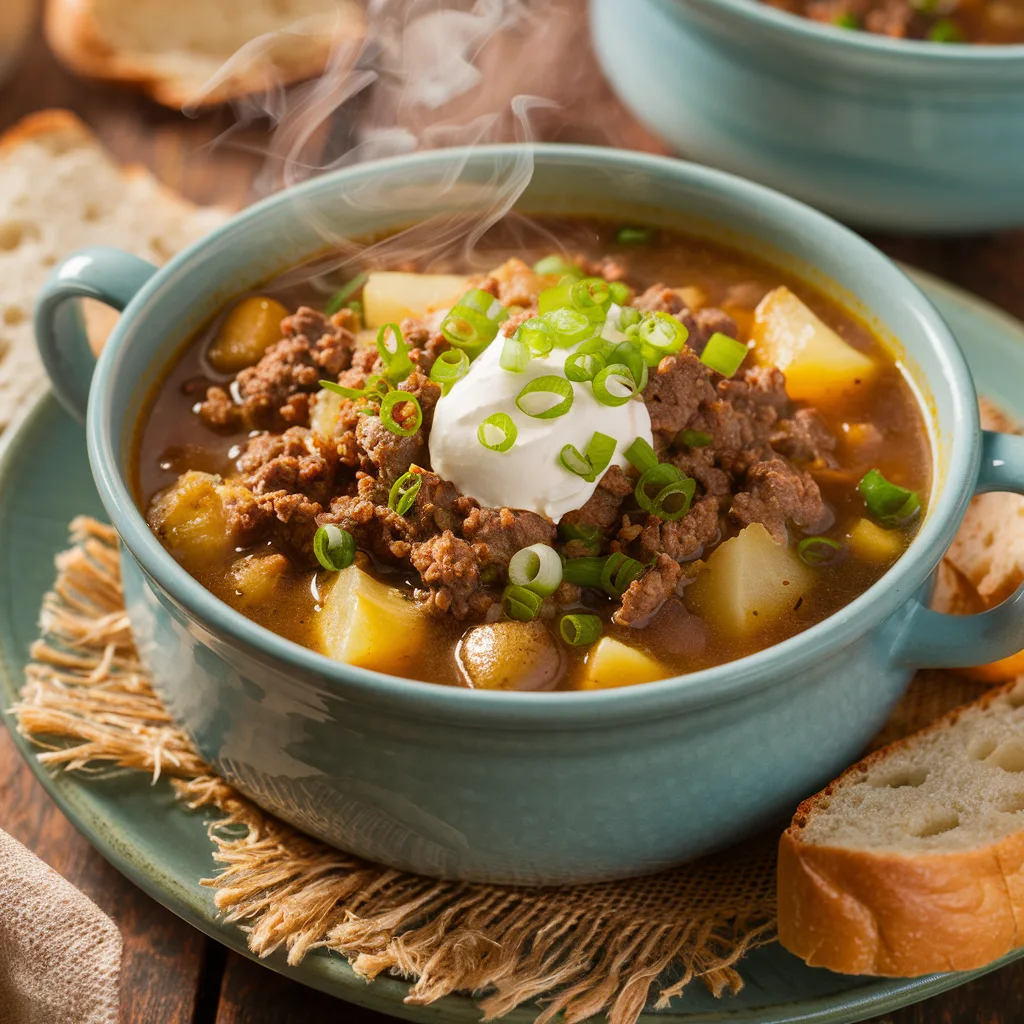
(748, 582)
(191, 517)
(817, 363)
(246, 333)
(256, 578)
(326, 413)
(868, 540)
(510, 656)
(367, 623)
(695, 298)
(389, 296)
(744, 319)
(612, 663)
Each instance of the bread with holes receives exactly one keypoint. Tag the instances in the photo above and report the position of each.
(177, 52)
(912, 861)
(61, 190)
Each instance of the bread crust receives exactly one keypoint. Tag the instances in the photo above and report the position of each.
(44, 122)
(862, 911)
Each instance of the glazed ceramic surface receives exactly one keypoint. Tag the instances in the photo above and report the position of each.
(163, 847)
(883, 133)
(519, 787)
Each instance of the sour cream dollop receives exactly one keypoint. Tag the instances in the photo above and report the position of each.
(529, 475)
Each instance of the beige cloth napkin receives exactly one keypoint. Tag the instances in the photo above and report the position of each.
(60, 955)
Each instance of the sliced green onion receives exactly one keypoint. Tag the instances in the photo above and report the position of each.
(536, 335)
(568, 326)
(723, 354)
(888, 504)
(520, 604)
(397, 364)
(665, 492)
(387, 416)
(945, 30)
(618, 572)
(515, 354)
(591, 297)
(473, 322)
(818, 551)
(629, 355)
(846, 20)
(641, 455)
(449, 367)
(344, 293)
(592, 463)
(614, 385)
(498, 432)
(537, 568)
(580, 630)
(555, 265)
(634, 236)
(629, 316)
(694, 438)
(536, 399)
(559, 297)
(583, 366)
(335, 548)
(403, 492)
(339, 389)
(663, 334)
(583, 533)
(486, 304)
(619, 291)
(584, 571)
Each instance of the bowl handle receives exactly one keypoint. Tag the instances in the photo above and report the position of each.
(931, 639)
(108, 275)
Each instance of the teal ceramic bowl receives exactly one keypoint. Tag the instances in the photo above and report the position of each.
(524, 787)
(891, 134)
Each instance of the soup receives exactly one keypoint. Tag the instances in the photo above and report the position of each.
(642, 456)
(938, 21)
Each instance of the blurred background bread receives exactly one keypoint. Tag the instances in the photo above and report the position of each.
(172, 49)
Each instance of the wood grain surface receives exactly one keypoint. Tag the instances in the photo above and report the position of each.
(173, 974)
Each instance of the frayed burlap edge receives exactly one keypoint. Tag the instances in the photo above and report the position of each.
(88, 703)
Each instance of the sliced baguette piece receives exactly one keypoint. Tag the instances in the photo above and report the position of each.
(61, 190)
(912, 861)
(173, 50)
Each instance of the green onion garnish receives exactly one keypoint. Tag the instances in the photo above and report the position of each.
(397, 364)
(614, 385)
(592, 463)
(515, 354)
(448, 368)
(584, 571)
(335, 548)
(629, 355)
(641, 456)
(846, 21)
(584, 533)
(473, 322)
(520, 604)
(344, 293)
(634, 236)
(558, 297)
(339, 389)
(536, 398)
(693, 438)
(818, 551)
(665, 492)
(411, 421)
(537, 568)
(660, 335)
(591, 297)
(618, 572)
(403, 492)
(555, 265)
(536, 335)
(620, 292)
(583, 366)
(497, 433)
(945, 30)
(568, 326)
(723, 354)
(580, 630)
(888, 504)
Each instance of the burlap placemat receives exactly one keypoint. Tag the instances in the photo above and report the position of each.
(614, 947)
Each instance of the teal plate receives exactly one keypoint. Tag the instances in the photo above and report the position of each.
(163, 847)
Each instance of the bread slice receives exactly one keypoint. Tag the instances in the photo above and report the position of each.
(173, 50)
(912, 861)
(61, 190)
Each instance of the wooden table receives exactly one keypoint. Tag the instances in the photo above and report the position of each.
(173, 974)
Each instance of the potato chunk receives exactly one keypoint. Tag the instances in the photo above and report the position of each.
(389, 296)
(256, 577)
(246, 333)
(871, 542)
(326, 413)
(817, 363)
(192, 518)
(510, 656)
(367, 623)
(748, 582)
(612, 663)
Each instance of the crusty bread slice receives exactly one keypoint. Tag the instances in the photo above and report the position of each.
(172, 50)
(912, 861)
(61, 190)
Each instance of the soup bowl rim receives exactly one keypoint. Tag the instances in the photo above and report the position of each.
(558, 709)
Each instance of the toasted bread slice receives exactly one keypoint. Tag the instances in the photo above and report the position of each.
(61, 190)
(912, 861)
(176, 51)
